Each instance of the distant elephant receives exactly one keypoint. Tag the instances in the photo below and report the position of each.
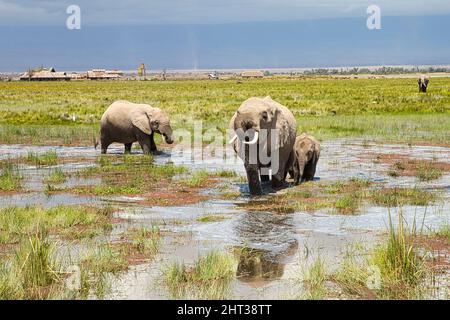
(306, 156)
(126, 122)
(257, 118)
(423, 83)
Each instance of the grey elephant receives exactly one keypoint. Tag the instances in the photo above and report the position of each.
(423, 83)
(306, 155)
(264, 124)
(126, 122)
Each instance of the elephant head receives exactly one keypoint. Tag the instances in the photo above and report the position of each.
(153, 120)
(423, 83)
(252, 118)
(252, 124)
(305, 151)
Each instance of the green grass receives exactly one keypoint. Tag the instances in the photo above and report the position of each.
(428, 172)
(57, 176)
(32, 270)
(128, 175)
(209, 278)
(226, 173)
(96, 268)
(393, 197)
(444, 231)
(49, 158)
(347, 204)
(10, 178)
(196, 179)
(314, 279)
(326, 108)
(393, 270)
(211, 218)
(17, 222)
(145, 241)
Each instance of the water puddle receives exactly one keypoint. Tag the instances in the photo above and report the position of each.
(271, 249)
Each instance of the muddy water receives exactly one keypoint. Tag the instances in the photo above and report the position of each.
(271, 250)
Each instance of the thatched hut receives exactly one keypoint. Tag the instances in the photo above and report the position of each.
(44, 75)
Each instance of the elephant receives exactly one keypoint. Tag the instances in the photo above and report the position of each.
(273, 129)
(306, 155)
(126, 122)
(423, 83)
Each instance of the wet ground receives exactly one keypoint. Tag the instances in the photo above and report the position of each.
(282, 244)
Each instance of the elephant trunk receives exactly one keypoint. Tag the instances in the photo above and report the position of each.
(301, 167)
(252, 170)
(167, 134)
(253, 179)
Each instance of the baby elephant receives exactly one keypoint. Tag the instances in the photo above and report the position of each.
(306, 155)
(423, 83)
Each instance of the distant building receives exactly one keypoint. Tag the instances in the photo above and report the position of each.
(44, 75)
(102, 74)
(213, 75)
(252, 74)
(77, 76)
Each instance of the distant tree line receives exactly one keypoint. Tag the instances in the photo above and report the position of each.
(377, 71)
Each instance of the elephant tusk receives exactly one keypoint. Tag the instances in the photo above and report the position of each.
(255, 139)
(233, 139)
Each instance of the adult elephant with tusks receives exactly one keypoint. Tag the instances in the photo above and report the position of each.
(126, 122)
(264, 136)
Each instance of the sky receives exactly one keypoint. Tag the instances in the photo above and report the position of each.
(212, 34)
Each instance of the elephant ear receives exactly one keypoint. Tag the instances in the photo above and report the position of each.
(141, 121)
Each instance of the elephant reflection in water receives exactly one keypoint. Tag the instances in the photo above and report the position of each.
(275, 234)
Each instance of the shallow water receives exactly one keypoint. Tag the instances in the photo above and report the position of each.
(282, 245)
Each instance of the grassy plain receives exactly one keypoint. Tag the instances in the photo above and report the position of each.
(69, 112)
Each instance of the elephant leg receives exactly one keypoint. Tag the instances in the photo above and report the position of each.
(104, 141)
(296, 174)
(310, 171)
(291, 173)
(279, 177)
(128, 147)
(145, 145)
(153, 147)
(265, 177)
(104, 146)
(253, 179)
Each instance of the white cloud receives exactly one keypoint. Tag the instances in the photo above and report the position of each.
(103, 12)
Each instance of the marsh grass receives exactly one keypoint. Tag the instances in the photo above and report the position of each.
(226, 173)
(211, 218)
(347, 204)
(196, 179)
(33, 271)
(393, 197)
(209, 278)
(16, 222)
(425, 170)
(444, 231)
(10, 178)
(145, 241)
(314, 279)
(343, 197)
(226, 194)
(57, 176)
(393, 270)
(97, 268)
(128, 175)
(49, 158)
(428, 172)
